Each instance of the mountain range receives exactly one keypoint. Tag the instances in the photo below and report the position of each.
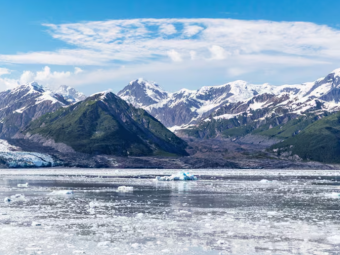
(271, 121)
(185, 108)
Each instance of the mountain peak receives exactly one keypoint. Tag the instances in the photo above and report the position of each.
(70, 94)
(336, 72)
(142, 93)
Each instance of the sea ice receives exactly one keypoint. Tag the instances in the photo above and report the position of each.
(180, 176)
(61, 193)
(25, 185)
(14, 198)
(36, 224)
(265, 181)
(125, 189)
(333, 195)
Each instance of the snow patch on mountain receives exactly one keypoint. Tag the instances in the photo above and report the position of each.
(70, 94)
(142, 93)
(189, 107)
(6, 147)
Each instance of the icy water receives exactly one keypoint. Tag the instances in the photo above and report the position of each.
(224, 212)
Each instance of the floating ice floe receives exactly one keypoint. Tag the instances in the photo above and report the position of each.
(180, 176)
(267, 181)
(333, 195)
(25, 185)
(14, 198)
(61, 193)
(36, 224)
(125, 189)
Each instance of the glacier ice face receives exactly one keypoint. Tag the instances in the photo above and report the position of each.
(17, 159)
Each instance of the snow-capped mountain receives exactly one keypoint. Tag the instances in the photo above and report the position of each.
(189, 107)
(24, 103)
(141, 93)
(70, 94)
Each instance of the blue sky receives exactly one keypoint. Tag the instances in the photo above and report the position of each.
(97, 45)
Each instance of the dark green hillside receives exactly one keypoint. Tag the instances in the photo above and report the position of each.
(319, 141)
(280, 127)
(105, 124)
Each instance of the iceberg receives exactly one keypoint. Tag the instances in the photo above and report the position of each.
(333, 195)
(180, 176)
(14, 198)
(61, 193)
(125, 189)
(25, 185)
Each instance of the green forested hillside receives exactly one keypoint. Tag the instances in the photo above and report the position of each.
(319, 141)
(105, 124)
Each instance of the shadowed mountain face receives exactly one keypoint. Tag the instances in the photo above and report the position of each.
(106, 124)
(319, 141)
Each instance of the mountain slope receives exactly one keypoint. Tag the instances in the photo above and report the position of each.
(20, 105)
(319, 141)
(106, 124)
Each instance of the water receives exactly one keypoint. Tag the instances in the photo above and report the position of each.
(224, 212)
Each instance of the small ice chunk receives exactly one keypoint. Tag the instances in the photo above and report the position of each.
(79, 252)
(333, 195)
(135, 245)
(334, 239)
(180, 176)
(36, 224)
(272, 213)
(14, 198)
(103, 244)
(61, 193)
(25, 185)
(265, 181)
(125, 189)
(139, 215)
(7, 200)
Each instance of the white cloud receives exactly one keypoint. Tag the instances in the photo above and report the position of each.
(104, 42)
(175, 56)
(78, 70)
(193, 54)
(26, 77)
(217, 52)
(192, 30)
(167, 29)
(4, 71)
(234, 47)
(45, 77)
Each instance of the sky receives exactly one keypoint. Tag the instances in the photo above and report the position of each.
(99, 45)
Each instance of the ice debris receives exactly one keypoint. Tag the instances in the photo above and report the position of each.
(180, 176)
(14, 198)
(267, 181)
(25, 185)
(36, 224)
(125, 189)
(333, 195)
(61, 193)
